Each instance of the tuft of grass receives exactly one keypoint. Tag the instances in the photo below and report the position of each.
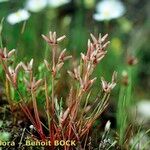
(125, 102)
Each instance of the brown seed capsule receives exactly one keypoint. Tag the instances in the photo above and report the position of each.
(132, 60)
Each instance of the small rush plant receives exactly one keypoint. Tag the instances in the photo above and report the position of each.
(69, 118)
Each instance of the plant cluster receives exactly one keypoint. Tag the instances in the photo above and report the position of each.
(64, 122)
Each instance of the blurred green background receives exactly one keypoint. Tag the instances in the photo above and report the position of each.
(128, 34)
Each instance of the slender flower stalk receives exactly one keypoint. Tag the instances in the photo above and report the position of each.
(53, 41)
(47, 104)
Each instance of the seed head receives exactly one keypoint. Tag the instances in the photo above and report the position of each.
(29, 66)
(108, 86)
(52, 39)
(4, 55)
